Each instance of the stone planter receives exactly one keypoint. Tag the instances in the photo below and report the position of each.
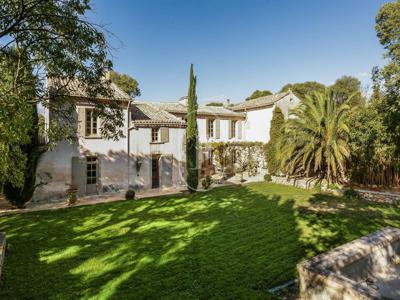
(367, 268)
(72, 196)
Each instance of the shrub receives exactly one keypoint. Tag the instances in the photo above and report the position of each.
(351, 194)
(130, 195)
(206, 182)
(268, 177)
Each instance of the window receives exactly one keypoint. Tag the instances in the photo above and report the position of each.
(91, 170)
(210, 128)
(233, 129)
(154, 135)
(91, 123)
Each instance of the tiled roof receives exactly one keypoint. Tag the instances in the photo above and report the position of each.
(145, 114)
(76, 88)
(202, 110)
(259, 102)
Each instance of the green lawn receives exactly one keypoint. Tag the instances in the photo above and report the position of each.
(232, 242)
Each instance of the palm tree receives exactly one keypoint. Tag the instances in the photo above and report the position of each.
(315, 139)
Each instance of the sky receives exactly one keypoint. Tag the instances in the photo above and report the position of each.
(239, 46)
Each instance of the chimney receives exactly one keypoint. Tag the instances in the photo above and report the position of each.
(228, 102)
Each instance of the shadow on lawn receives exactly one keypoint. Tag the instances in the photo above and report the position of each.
(228, 243)
(233, 242)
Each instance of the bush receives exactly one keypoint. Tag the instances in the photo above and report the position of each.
(268, 177)
(206, 182)
(351, 194)
(130, 195)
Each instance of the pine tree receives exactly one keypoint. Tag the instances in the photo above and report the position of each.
(277, 123)
(192, 175)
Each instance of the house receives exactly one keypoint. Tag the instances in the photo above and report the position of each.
(259, 114)
(154, 139)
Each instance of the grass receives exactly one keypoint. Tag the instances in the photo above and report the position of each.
(231, 242)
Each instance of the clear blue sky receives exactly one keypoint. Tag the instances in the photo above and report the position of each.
(239, 46)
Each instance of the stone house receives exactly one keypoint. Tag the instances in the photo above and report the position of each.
(154, 138)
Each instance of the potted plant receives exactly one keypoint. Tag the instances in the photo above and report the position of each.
(72, 194)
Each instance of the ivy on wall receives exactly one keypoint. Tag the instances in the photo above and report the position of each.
(237, 157)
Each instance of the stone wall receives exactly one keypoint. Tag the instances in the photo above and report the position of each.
(301, 182)
(2, 249)
(379, 197)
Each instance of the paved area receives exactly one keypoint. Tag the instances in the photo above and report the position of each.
(5, 207)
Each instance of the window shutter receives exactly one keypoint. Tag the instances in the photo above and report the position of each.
(239, 124)
(208, 129)
(230, 129)
(164, 134)
(217, 129)
(81, 121)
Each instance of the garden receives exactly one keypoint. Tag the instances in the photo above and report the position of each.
(229, 242)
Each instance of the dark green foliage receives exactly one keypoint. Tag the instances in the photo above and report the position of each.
(215, 104)
(19, 195)
(275, 133)
(303, 89)
(348, 87)
(130, 195)
(192, 139)
(351, 194)
(375, 130)
(267, 177)
(128, 84)
(206, 182)
(227, 243)
(387, 28)
(257, 94)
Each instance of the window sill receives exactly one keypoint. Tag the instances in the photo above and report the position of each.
(157, 143)
(91, 137)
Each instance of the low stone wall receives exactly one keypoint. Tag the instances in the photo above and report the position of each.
(354, 270)
(2, 249)
(379, 197)
(303, 183)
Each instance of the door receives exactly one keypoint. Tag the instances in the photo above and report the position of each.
(155, 171)
(92, 171)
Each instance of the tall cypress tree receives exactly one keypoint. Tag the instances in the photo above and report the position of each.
(275, 132)
(192, 136)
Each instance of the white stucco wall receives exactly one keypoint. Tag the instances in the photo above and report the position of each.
(257, 125)
(55, 166)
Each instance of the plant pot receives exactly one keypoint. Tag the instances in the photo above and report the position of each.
(72, 196)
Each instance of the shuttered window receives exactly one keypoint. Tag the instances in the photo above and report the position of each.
(210, 128)
(154, 134)
(232, 128)
(90, 123)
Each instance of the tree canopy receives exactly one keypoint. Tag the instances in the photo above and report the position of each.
(41, 41)
(259, 93)
(56, 40)
(348, 87)
(301, 90)
(127, 83)
(215, 104)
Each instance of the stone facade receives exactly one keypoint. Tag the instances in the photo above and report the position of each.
(379, 197)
